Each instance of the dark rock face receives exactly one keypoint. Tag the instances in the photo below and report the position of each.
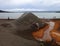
(26, 20)
(24, 25)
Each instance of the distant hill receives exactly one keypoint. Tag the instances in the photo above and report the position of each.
(1, 11)
(57, 11)
(39, 11)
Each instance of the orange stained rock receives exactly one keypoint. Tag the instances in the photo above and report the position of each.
(55, 33)
(40, 32)
(56, 36)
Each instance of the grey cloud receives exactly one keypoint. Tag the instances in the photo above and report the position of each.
(6, 4)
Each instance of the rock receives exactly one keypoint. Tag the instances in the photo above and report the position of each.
(19, 32)
(24, 23)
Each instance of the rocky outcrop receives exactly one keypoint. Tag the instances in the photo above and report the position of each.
(24, 25)
(19, 32)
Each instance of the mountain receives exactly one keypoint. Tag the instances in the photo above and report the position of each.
(57, 11)
(1, 11)
(23, 11)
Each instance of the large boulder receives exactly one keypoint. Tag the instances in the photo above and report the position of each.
(26, 20)
(24, 25)
(19, 32)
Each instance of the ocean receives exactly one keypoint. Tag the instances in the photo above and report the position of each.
(40, 15)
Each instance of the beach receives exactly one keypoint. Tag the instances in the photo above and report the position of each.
(9, 39)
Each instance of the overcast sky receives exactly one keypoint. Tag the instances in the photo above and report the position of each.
(43, 5)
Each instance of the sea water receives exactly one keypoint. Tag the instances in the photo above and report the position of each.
(40, 15)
